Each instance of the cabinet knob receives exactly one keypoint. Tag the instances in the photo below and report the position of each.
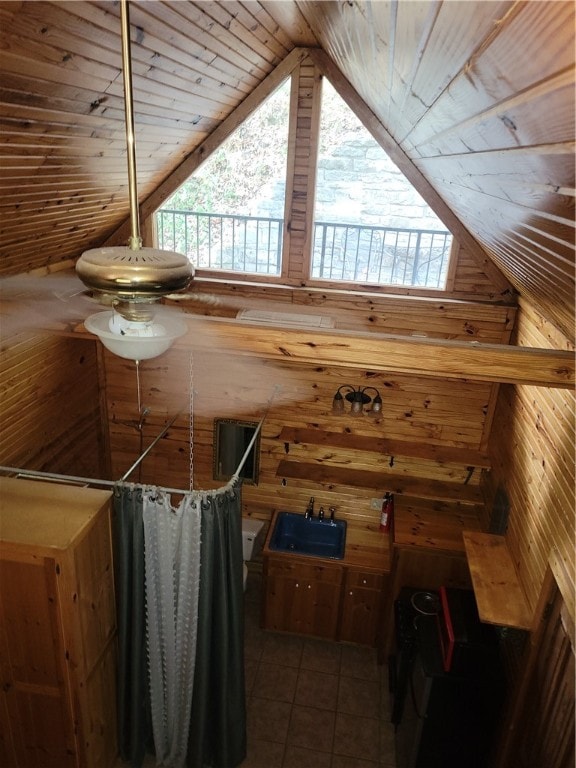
(364, 581)
(351, 592)
(309, 586)
(297, 585)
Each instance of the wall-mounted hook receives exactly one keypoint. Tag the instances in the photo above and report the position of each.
(143, 414)
(469, 475)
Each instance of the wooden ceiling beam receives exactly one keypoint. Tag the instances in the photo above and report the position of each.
(437, 358)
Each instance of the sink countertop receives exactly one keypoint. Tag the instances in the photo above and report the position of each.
(366, 547)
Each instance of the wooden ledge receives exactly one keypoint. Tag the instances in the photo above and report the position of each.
(465, 456)
(382, 481)
(499, 594)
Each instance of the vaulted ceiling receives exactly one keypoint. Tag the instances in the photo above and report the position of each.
(478, 96)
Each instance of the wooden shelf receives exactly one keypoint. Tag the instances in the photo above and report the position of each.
(499, 594)
(381, 481)
(465, 456)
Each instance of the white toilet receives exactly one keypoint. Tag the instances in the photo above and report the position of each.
(252, 541)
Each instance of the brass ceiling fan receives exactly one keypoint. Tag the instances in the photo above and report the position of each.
(133, 278)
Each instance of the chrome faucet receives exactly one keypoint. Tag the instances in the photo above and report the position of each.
(332, 511)
(309, 514)
(321, 513)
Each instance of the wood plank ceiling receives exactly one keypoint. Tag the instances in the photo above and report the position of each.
(478, 95)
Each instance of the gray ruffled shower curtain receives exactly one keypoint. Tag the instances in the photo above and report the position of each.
(198, 700)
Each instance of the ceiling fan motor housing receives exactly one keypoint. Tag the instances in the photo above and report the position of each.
(145, 274)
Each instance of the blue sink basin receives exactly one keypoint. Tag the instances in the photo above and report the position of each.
(319, 538)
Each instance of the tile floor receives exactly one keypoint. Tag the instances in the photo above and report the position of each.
(313, 703)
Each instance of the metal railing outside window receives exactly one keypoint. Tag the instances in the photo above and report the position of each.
(380, 255)
(227, 242)
(370, 255)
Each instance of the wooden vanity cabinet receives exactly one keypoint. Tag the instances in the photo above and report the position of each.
(331, 601)
(362, 606)
(301, 597)
(57, 627)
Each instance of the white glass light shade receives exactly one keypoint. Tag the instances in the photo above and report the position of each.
(151, 340)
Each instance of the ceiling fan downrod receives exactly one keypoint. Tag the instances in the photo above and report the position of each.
(131, 274)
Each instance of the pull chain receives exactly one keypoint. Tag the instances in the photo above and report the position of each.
(137, 362)
(141, 416)
(191, 419)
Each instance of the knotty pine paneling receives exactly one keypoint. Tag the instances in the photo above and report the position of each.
(499, 70)
(546, 735)
(469, 273)
(50, 406)
(475, 98)
(532, 445)
(293, 396)
(470, 280)
(442, 318)
(63, 112)
(480, 97)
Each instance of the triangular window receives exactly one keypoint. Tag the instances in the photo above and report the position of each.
(228, 216)
(370, 225)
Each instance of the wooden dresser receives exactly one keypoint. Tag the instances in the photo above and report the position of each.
(57, 627)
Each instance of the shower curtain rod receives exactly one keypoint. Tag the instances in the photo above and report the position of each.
(236, 474)
(112, 483)
(145, 453)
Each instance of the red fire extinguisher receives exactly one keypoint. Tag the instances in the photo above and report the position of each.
(387, 513)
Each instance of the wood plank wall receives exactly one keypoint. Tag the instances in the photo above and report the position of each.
(480, 97)
(419, 414)
(539, 729)
(532, 446)
(50, 406)
(439, 318)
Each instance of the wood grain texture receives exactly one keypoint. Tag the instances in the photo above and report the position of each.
(49, 407)
(499, 594)
(468, 82)
(433, 524)
(532, 446)
(475, 99)
(384, 446)
(429, 357)
(57, 576)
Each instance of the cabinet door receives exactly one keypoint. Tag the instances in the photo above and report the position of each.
(302, 598)
(36, 703)
(282, 603)
(320, 607)
(361, 607)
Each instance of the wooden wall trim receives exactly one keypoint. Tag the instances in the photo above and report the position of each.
(304, 131)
